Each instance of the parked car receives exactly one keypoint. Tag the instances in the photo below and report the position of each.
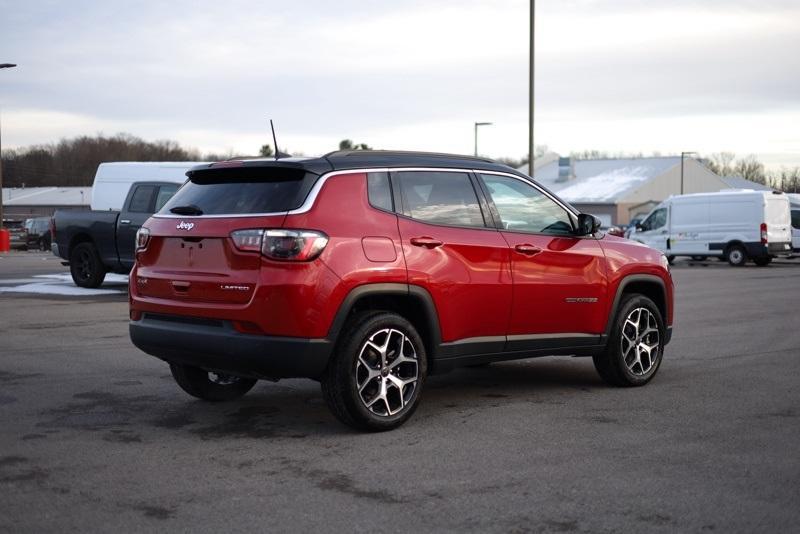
(18, 235)
(735, 225)
(613, 230)
(102, 240)
(370, 270)
(38, 233)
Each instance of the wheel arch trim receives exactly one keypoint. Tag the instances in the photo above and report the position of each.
(650, 279)
(401, 290)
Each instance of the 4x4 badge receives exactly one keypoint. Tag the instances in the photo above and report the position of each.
(184, 226)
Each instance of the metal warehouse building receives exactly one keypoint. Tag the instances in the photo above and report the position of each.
(25, 202)
(618, 189)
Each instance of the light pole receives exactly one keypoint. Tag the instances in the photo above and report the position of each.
(476, 134)
(2, 66)
(683, 156)
(531, 61)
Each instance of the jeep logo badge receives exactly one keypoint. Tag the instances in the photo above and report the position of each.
(184, 226)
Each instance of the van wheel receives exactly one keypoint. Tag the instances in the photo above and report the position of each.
(86, 267)
(635, 346)
(208, 385)
(763, 261)
(736, 255)
(375, 378)
(670, 259)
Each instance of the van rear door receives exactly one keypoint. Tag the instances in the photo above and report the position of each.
(778, 218)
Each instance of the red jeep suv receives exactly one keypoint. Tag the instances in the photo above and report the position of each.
(370, 270)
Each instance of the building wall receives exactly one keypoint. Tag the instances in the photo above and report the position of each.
(26, 212)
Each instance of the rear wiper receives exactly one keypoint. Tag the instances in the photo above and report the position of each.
(191, 209)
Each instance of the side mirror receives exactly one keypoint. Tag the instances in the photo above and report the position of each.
(587, 224)
(639, 227)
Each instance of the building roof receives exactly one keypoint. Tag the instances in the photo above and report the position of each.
(47, 196)
(737, 182)
(603, 181)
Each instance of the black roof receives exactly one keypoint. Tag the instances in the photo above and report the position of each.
(355, 159)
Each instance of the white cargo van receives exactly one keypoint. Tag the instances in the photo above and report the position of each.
(794, 203)
(735, 225)
(113, 180)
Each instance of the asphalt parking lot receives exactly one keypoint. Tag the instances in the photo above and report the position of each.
(95, 436)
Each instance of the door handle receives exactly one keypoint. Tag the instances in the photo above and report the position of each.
(527, 249)
(664, 232)
(427, 242)
(125, 221)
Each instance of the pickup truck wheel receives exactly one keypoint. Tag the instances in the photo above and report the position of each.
(374, 380)
(210, 386)
(635, 346)
(86, 267)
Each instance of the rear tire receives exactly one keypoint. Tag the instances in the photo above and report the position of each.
(636, 344)
(210, 386)
(736, 255)
(376, 375)
(85, 266)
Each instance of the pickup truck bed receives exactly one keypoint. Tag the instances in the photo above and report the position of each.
(94, 243)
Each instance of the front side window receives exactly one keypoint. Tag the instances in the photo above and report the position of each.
(440, 197)
(141, 202)
(524, 208)
(656, 220)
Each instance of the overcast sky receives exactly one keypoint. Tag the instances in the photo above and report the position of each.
(614, 75)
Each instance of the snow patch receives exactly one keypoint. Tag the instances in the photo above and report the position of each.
(606, 186)
(62, 284)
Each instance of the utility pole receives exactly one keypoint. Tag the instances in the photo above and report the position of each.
(476, 134)
(2, 66)
(531, 61)
(683, 156)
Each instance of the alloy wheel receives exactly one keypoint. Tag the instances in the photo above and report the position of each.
(387, 371)
(641, 341)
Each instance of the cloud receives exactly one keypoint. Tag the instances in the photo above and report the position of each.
(407, 75)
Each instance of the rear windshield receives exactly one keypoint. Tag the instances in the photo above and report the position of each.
(237, 191)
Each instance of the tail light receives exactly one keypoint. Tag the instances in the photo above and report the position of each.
(764, 233)
(142, 238)
(281, 244)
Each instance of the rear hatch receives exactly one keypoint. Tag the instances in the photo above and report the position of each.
(191, 255)
(778, 217)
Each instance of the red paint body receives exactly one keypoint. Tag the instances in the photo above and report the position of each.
(484, 282)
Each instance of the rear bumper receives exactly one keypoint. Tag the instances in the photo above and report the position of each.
(757, 250)
(215, 345)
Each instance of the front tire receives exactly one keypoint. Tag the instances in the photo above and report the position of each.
(636, 344)
(374, 380)
(85, 266)
(210, 386)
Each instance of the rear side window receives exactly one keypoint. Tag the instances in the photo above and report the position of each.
(796, 219)
(241, 191)
(380, 192)
(440, 197)
(165, 192)
(142, 200)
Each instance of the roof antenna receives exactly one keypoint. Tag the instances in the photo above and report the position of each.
(274, 140)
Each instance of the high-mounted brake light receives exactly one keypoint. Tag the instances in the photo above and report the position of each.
(142, 238)
(764, 239)
(281, 244)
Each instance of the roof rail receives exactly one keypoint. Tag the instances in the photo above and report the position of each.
(367, 153)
